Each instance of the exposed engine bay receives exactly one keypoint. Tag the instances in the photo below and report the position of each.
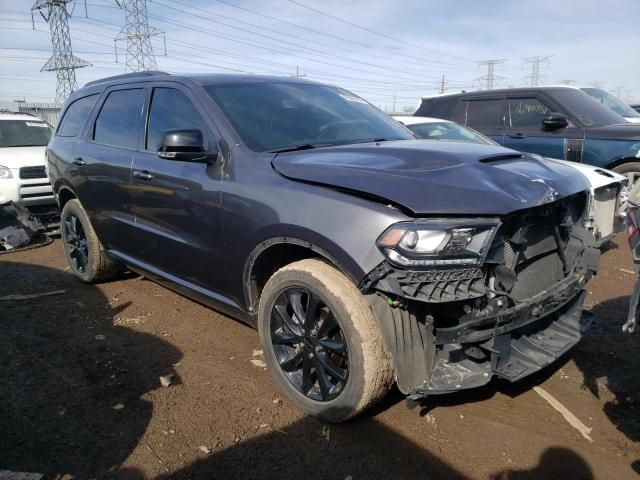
(457, 327)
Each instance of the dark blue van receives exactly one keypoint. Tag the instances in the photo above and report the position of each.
(558, 122)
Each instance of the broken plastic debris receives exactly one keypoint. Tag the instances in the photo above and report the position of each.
(204, 449)
(165, 380)
(259, 363)
(118, 406)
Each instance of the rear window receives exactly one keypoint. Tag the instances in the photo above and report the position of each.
(484, 112)
(24, 133)
(76, 116)
(118, 120)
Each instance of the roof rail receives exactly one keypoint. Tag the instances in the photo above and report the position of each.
(147, 73)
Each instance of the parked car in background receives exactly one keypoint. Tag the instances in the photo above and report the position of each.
(557, 122)
(23, 177)
(621, 108)
(361, 254)
(606, 213)
(440, 129)
(636, 107)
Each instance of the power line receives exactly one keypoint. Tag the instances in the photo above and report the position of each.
(384, 35)
(63, 62)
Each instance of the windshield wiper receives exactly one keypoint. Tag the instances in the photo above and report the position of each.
(370, 140)
(295, 148)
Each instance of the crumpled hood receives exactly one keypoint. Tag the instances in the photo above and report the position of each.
(436, 178)
(18, 157)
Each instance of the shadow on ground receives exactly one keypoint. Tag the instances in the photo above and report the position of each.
(610, 359)
(65, 366)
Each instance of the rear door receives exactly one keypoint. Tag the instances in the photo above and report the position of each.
(525, 132)
(177, 203)
(103, 162)
(486, 115)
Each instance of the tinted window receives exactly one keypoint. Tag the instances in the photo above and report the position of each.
(585, 109)
(170, 109)
(484, 112)
(527, 112)
(612, 102)
(117, 122)
(274, 116)
(24, 133)
(448, 131)
(437, 107)
(76, 116)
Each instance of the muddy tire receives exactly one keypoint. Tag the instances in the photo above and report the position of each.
(631, 170)
(82, 248)
(321, 341)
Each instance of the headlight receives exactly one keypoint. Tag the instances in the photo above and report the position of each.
(5, 173)
(433, 243)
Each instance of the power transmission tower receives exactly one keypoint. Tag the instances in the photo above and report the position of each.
(534, 77)
(442, 86)
(62, 61)
(490, 78)
(138, 33)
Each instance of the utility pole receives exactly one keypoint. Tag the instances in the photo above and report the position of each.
(442, 86)
(138, 33)
(394, 103)
(490, 77)
(534, 77)
(62, 61)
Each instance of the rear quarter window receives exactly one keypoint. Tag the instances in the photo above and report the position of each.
(76, 116)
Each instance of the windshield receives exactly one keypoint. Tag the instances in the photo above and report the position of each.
(289, 116)
(24, 133)
(586, 109)
(612, 102)
(448, 131)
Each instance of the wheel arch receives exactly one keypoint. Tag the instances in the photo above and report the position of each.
(621, 161)
(64, 194)
(276, 252)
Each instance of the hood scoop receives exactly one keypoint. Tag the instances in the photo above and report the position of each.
(502, 158)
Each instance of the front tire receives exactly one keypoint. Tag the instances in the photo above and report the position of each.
(321, 341)
(631, 170)
(81, 246)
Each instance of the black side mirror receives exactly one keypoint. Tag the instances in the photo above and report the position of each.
(185, 146)
(554, 121)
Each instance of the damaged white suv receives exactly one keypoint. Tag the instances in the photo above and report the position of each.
(23, 177)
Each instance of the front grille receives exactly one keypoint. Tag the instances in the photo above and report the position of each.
(530, 247)
(27, 173)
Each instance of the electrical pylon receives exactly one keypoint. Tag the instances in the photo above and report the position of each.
(63, 61)
(137, 33)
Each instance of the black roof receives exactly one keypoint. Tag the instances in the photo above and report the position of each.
(500, 91)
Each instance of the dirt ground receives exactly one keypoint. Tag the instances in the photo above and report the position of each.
(80, 395)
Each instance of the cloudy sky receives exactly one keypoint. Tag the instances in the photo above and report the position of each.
(386, 51)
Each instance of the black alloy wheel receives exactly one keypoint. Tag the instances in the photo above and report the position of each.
(309, 345)
(76, 243)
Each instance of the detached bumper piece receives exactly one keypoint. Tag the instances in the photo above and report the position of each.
(512, 355)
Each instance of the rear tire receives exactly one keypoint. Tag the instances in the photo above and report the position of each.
(361, 361)
(81, 246)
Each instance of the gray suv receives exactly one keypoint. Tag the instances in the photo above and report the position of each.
(362, 255)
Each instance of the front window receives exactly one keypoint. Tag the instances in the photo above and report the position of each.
(24, 133)
(585, 109)
(282, 116)
(448, 131)
(527, 112)
(614, 103)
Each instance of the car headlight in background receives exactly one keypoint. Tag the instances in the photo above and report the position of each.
(432, 243)
(5, 173)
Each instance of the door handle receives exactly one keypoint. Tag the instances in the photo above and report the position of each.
(518, 135)
(79, 162)
(142, 174)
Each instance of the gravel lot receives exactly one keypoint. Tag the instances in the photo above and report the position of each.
(80, 395)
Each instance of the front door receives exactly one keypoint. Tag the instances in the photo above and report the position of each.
(177, 203)
(525, 132)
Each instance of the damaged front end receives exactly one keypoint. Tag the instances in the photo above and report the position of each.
(460, 301)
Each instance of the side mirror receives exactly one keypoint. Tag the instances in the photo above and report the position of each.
(554, 121)
(185, 146)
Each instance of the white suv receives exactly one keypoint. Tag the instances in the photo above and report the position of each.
(23, 176)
